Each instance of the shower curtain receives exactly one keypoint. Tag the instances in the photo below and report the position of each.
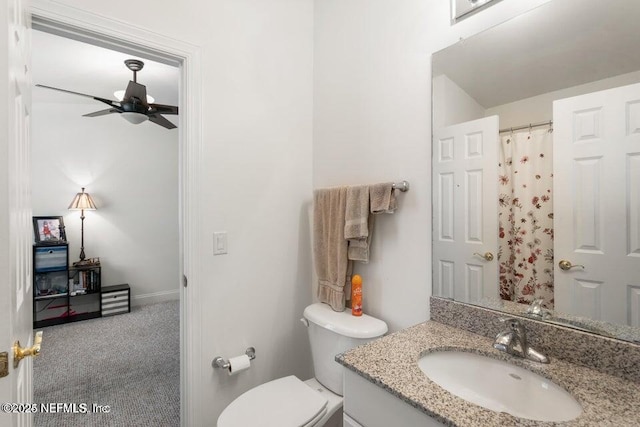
(525, 216)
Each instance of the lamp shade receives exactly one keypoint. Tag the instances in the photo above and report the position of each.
(82, 201)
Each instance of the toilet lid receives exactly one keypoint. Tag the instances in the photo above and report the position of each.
(286, 402)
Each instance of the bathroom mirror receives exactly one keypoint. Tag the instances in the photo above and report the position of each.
(520, 92)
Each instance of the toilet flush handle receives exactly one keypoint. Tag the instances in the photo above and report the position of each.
(305, 321)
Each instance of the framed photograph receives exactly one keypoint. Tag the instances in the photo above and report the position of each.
(49, 230)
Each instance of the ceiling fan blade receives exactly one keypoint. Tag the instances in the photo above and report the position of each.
(97, 98)
(159, 120)
(102, 112)
(136, 90)
(163, 109)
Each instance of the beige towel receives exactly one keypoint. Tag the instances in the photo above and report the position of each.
(356, 212)
(329, 246)
(359, 248)
(357, 224)
(383, 198)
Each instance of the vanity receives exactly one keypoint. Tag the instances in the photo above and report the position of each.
(385, 386)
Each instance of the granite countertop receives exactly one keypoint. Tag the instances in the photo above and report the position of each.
(391, 363)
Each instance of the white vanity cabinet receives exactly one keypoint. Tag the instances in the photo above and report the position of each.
(367, 405)
(349, 422)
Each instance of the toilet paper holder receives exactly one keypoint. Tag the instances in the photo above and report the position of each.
(219, 362)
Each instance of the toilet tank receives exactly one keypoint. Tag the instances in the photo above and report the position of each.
(331, 333)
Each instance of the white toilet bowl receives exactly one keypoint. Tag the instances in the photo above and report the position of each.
(287, 401)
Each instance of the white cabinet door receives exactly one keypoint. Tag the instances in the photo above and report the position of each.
(597, 204)
(372, 406)
(465, 210)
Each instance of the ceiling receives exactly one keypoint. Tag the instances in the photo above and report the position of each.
(80, 67)
(557, 45)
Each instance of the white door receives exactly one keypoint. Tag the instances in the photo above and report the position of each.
(597, 204)
(465, 210)
(15, 208)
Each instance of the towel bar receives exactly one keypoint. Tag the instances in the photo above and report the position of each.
(402, 186)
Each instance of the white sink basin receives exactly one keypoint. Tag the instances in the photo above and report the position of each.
(499, 386)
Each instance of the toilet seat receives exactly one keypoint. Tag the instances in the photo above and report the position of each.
(286, 402)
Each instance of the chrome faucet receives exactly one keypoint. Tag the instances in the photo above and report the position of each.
(514, 342)
(536, 309)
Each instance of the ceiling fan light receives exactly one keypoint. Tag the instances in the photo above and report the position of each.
(119, 94)
(134, 118)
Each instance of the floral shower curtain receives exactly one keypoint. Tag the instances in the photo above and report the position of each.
(525, 216)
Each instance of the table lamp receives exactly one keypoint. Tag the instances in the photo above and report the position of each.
(81, 202)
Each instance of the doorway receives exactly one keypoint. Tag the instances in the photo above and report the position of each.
(131, 171)
(104, 32)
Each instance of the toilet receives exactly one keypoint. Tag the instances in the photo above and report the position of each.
(291, 402)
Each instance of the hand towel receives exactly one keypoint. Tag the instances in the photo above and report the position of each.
(356, 212)
(383, 198)
(359, 248)
(330, 247)
(357, 226)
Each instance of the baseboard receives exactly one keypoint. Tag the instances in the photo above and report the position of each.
(154, 297)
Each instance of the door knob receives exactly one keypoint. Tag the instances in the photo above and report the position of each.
(20, 353)
(488, 256)
(566, 265)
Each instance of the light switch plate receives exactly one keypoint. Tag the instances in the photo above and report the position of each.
(220, 243)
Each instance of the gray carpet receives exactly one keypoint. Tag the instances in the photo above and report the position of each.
(130, 362)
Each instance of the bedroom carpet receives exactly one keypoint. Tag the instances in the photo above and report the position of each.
(130, 362)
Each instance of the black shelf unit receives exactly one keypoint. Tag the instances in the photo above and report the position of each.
(84, 292)
(61, 293)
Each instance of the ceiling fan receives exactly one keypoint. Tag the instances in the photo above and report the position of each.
(134, 106)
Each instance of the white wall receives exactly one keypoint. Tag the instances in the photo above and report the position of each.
(452, 105)
(131, 172)
(540, 108)
(372, 123)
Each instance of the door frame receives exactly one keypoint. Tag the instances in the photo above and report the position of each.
(99, 30)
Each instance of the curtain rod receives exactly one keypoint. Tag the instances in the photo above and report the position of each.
(529, 126)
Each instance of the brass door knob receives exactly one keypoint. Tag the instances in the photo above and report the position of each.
(20, 353)
(566, 265)
(488, 256)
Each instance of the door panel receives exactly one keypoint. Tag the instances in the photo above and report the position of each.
(597, 204)
(465, 210)
(15, 205)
